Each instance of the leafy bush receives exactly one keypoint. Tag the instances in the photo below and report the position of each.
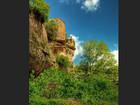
(93, 90)
(62, 61)
(51, 27)
(43, 101)
(40, 9)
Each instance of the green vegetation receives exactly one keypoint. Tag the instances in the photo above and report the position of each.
(94, 81)
(89, 85)
(40, 9)
(97, 59)
(54, 87)
(62, 61)
(51, 27)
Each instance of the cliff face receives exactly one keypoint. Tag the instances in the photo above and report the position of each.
(45, 43)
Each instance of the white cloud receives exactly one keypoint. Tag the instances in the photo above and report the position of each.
(116, 55)
(78, 46)
(90, 5)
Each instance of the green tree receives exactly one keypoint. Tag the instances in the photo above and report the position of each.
(97, 58)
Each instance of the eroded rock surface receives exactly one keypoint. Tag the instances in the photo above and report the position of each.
(45, 43)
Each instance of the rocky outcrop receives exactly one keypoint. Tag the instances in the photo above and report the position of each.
(46, 42)
(62, 44)
(70, 46)
(60, 30)
(39, 53)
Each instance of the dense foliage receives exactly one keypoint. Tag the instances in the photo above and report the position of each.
(40, 9)
(51, 27)
(97, 59)
(62, 61)
(54, 87)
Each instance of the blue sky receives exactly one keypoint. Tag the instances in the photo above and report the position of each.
(89, 19)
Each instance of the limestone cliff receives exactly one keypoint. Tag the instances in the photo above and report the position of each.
(46, 41)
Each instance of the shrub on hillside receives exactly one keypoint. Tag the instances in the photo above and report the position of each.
(40, 9)
(62, 61)
(94, 90)
(51, 27)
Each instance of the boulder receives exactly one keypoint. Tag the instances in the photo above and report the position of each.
(56, 30)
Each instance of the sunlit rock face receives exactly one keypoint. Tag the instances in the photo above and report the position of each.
(58, 31)
(38, 45)
(61, 30)
(62, 44)
(43, 49)
(70, 48)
